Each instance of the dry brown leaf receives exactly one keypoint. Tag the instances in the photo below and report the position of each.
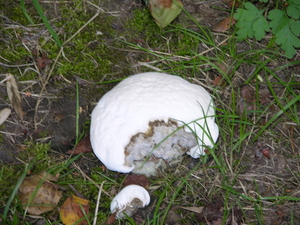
(224, 25)
(232, 3)
(219, 81)
(84, 145)
(43, 61)
(14, 95)
(38, 195)
(4, 114)
(74, 210)
(111, 219)
(137, 179)
(266, 153)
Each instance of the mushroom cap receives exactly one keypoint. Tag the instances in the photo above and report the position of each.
(128, 108)
(129, 199)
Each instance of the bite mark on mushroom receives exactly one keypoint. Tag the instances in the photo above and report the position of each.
(162, 142)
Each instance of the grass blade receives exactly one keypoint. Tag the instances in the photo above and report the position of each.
(25, 12)
(292, 102)
(46, 22)
(15, 191)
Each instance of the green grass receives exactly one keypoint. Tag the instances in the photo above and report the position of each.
(195, 56)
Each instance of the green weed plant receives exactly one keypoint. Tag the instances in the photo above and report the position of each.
(283, 21)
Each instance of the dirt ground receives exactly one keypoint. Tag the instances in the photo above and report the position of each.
(268, 166)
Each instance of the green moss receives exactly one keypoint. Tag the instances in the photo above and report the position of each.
(15, 13)
(88, 56)
(40, 154)
(8, 178)
(142, 28)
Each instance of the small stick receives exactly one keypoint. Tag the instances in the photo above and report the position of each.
(97, 204)
(21, 65)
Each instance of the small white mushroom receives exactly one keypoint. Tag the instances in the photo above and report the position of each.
(128, 200)
(143, 115)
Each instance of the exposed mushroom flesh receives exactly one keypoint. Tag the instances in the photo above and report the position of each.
(162, 141)
(129, 209)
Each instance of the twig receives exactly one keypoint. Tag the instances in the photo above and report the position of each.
(149, 66)
(5, 79)
(21, 65)
(97, 204)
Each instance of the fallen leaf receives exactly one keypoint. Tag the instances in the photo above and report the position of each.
(219, 81)
(266, 153)
(38, 195)
(4, 114)
(84, 145)
(232, 3)
(111, 219)
(165, 11)
(74, 210)
(224, 25)
(222, 67)
(207, 152)
(137, 179)
(43, 61)
(14, 95)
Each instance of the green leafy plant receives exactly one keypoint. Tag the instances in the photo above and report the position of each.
(283, 22)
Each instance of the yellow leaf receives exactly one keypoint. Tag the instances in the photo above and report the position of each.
(74, 210)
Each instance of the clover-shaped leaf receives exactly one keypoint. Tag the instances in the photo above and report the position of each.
(286, 31)
(251, 22)
(293, 9)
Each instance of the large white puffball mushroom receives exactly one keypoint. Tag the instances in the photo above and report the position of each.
(143, 115)
(128, 200)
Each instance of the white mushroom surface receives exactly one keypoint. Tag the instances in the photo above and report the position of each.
(128, 200)
(143, 114)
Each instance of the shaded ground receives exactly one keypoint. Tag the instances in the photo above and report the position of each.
(255, 164)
